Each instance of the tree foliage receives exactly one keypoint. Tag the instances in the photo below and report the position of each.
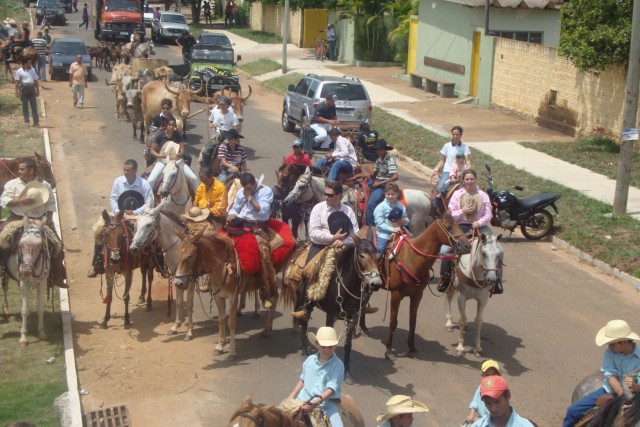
(596, 34)
(401, 12)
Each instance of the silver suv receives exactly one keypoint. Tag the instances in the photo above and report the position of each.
(353, 105)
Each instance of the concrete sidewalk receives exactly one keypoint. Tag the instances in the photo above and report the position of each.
(492, 132)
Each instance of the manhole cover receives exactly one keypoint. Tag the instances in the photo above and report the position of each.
(118, 416)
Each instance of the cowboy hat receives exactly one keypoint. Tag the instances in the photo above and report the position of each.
(236, 227)
(326, 337)
(339, 221)
(382, 143)
(614, 331)
(169, 148)
(232, 133)
(196, 214)
(36, 191)
(401, 404)
(13, 22)
(130, 200)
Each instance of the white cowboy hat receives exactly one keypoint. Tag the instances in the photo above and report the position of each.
(401, 404)
(196, 214)
(169, 148)
(614, 331)
(13, 22)
(36, 191)
(326, 337)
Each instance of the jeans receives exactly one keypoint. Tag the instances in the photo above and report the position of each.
(331, 52)
(375, 198)
(320, 140)
(42, 68)
(188, 173)
(336, 168)
(332, 410)
(28, 98)
(381, 245)
(576, 411)
(224, 175)
(444, 182)
(78, 95)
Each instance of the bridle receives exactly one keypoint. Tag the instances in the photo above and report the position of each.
(42, 254)
(172, 182)
(365, 290)
(256, 421)
(473, 280)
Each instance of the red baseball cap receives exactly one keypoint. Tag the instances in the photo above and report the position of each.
(493, 386)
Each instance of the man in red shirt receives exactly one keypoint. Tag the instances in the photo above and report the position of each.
(298, 157)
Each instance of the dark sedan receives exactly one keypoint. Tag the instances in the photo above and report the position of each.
(63, 53)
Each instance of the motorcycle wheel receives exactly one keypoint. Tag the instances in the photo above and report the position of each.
(538, 225)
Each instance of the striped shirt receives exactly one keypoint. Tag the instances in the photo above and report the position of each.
(233, 157)
(40, 45)
(385, 168)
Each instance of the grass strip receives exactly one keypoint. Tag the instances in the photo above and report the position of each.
(279, 84)
(256, 36)
(599, 155)
(260, 67)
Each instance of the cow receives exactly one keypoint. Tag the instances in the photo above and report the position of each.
(145, 76)
(119, 71)
(154, 92)
(237, 103)
(134, 109)
(161, 73)
(121, 102)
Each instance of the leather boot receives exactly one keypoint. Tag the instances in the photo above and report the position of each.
(445, 275)
(96, 265)
(498, 289)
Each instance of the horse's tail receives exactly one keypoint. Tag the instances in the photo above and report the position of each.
(289, 294)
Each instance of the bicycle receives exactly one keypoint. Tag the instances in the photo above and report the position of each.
(321, 49)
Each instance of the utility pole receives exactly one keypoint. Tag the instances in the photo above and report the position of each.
(629, 118)
(285, 36)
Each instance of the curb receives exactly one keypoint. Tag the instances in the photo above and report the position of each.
(75, 407)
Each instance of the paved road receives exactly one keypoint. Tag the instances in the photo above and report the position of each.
(542, 329)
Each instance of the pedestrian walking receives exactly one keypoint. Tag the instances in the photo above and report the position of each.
(75, 6)
(41, 46)
(85, 17)
(207, 12)
(186, 42)
(27, 90)
(228, 12)
(78, 81)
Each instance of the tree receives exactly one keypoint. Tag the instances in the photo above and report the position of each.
(401, 12)
(596, 34)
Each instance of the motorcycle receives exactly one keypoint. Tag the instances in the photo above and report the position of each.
(529, 214)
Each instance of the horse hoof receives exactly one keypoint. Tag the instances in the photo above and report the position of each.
(188, 337)
(23, 344)
(103, 325)
(232, 358)
(459, 353)
(390, 356)
(172, 332)
(412, 354)
(217, 352)
(148, 308)
(141, 301)
(477, 353)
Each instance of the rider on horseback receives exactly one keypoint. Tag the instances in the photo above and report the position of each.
(366, 143)
(343, 157)
(233, 158)
(298, 157)
(385, 172)
(211, 195)
(390, 217)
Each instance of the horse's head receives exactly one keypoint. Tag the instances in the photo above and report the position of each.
(492, 254)
(299, 188)
(114, 237)
(256, 415)
(450, 234)
(187, 256)
(170, 176)
(31, 248)
(366, 261)
(44, 169)
(145, 231)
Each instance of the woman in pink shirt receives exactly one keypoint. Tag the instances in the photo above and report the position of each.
(298, 157)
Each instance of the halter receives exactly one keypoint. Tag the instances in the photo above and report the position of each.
(473, 280)
(127, 242)
(43, 254)
(364, 294)
(172, 183)
(247, 415)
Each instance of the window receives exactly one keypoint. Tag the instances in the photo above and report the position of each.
(553, 98)
(303, 87)
(345, 91)
(523, 36)
(313, 89)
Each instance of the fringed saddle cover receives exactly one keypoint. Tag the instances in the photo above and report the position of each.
(12, 233)
(318, 419)
(318, 271)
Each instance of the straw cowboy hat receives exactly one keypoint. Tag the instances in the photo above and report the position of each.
(401, 404)
(36, 191)
(169, 148)
(196, 214)
(326, 337)
(13, 22)
(614, 331)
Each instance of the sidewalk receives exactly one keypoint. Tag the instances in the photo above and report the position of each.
(481, 126)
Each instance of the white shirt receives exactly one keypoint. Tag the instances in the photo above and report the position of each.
(319, 223)
(120, 185)
(223, 121)
(345, 150)
(28, 77)
(245, 210)
(449, 152)
(13, 189)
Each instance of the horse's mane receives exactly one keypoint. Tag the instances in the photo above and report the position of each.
(608, 413)
(173, 217)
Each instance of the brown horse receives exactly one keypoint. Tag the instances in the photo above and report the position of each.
(28, 52)
(9, 169)
(250, 414)
(409, 267)
(286, 177)
(118, 259)
(214, 254)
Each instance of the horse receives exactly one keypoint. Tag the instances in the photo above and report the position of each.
(9, 169)
(30, 267)
(286, 177)
(175, 187)
(353, 281)
(28, 52)
(250, 414)
(476, 275)
(142, 50)
(118, 259)
(310, 189)
(410, 262)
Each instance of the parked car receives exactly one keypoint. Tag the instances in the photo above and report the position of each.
(169, 25)
(215, 38)
(53, 10)
(148, 15)
(215, 66)
(63, 53)
(353, 105)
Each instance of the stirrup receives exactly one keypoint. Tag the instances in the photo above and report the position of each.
(301, 315)
(443, 286)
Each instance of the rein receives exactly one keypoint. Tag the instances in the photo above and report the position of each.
(172, 183)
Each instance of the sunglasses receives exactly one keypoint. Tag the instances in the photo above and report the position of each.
(329, 194)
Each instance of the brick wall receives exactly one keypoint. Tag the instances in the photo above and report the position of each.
(525, 75)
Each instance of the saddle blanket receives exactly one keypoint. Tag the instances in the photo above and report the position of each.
(318, 271)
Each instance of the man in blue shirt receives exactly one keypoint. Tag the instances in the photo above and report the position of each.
(495, 394)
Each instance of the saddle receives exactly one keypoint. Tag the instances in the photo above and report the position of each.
(318, 271)
(316, 418)
(601, 402)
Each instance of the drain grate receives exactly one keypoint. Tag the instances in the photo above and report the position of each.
(117, 416)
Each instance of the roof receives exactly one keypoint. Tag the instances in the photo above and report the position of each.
(522, 4)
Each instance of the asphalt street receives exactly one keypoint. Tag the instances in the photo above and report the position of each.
(541, 330)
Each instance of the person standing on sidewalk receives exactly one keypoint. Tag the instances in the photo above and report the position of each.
(186, 42)
(85, 17)
(228, 11)
(41, 46)
(78, 81)
(331, 40)
(27, 90)
(75, 6)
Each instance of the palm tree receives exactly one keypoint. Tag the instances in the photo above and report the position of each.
(400, 11)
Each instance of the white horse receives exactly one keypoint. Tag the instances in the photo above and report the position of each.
(476, 275)
(175, 187)
(143, 50)
(30, 266)
(311, 188)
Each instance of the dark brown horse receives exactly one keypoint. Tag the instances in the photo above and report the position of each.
(117, 234)
(28, 52)
(409, 269)
(286, 177)
(9, 169)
